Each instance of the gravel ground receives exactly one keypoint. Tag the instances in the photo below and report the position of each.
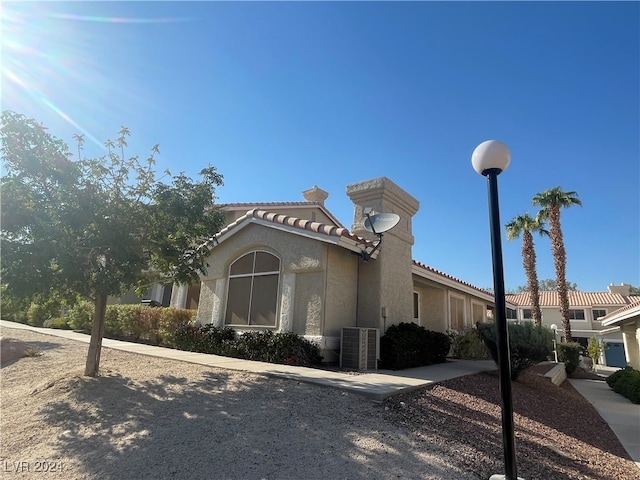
(150, 418)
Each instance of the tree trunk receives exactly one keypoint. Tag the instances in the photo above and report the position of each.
(529, 263)
(97, 332)
(560, 261)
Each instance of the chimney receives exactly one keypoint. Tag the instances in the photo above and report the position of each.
(385, 289)
(621, 289)
(316, 195)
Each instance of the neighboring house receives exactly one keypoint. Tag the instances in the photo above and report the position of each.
(293, 267)
(627, 321)
(587, 310)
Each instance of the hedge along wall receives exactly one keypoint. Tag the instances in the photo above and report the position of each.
(140, 323)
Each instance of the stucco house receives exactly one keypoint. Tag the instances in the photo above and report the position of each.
(626, 320)
(293, 267)
(591, 315)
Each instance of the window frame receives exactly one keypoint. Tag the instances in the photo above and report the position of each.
(253, 275)
(573, 311)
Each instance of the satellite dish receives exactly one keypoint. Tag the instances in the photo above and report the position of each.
(381, 222)
(378, 224)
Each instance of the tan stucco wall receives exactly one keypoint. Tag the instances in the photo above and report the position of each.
(433, 313)
(309, 306)
(552, 316)
(304, 261)
(434, 304)
(342, 277)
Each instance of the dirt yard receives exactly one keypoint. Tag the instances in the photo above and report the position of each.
(149, 418)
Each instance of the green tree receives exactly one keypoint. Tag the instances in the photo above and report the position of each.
(97, 227)
(547, 285)
(633, 290)
(524, 225)
(595, 348)
(551, 201)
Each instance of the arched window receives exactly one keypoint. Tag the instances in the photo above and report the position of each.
(253, 290)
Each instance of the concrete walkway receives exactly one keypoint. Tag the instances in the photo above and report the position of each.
(620, 413)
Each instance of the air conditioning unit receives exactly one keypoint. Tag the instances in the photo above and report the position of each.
(359, 348)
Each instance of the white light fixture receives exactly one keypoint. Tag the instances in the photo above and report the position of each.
(489, 155)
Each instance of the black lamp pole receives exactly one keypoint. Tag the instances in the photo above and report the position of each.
(504, 357)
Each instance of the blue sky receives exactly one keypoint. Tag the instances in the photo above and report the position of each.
(281, 96)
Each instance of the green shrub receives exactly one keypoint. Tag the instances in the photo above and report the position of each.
(187, 337)
(291, 349)
(569, 353)
(13, 308)
(528, 344)
(203, 339)
(626, 382)
(149, 324)
(263, 346)
(112, 326)
(59, 322)
(129, 321)
(409, 345)
(171, 320)
(81, 316)
(468, 344)
(41, 310)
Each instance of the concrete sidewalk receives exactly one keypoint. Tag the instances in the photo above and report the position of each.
(620, 413)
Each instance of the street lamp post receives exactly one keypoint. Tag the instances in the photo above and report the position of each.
(490, 159)
(554, 327)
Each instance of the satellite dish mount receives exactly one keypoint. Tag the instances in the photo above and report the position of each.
(378, 224)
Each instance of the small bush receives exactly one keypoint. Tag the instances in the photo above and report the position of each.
(528, 344)
(468, 344)
(263, 346)
(203, 339)
(13, 308)
(626, 382)
(59, 322)
(41, 310)
(569, 353)
(81, 316)
(171, 320)
(409, 345)
(127, 322)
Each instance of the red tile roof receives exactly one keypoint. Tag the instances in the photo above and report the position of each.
(576, 299)
(445, 275)
(277, 205)
(266, 204)
(298, 223)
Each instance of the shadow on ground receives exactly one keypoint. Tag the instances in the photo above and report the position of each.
(169, 427)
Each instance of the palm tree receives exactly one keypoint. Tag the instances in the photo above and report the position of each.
(525, 225)
(551, 201)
